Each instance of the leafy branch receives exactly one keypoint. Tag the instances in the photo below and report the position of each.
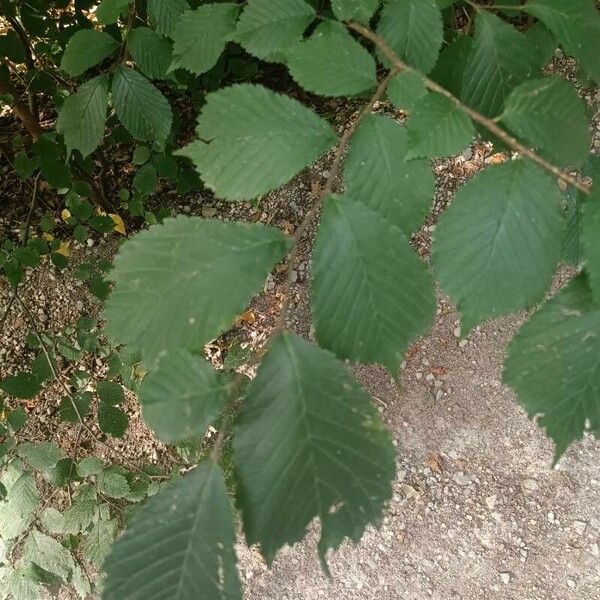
(489, 124)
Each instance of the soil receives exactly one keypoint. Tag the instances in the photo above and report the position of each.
(478, 511)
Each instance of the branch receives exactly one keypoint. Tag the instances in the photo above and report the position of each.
(329, 185)
(21, 110)
(489, 124)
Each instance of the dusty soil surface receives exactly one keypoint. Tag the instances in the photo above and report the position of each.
(477, 512)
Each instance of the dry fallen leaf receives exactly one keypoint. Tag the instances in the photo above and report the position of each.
(248, 317)
(119, 224)
(65, 249)
(65, 214)
(434, 462)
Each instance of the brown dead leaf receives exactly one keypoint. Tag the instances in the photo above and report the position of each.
(434, 462)
(246, 317)
(496, 159)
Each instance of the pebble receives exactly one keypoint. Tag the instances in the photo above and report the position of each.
(506, 577)
(456, 332)
(463, 342)
(490, 501)
(529, 485)
(461, 478)
(208, 212)
(579, 527)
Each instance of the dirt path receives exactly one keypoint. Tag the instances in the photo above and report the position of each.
(478, 513)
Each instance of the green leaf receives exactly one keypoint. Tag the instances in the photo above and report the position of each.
(543, 40)
(371, 294)
(309, 443)
(268, 28)
(113, 483)
(145, 180)
(109, 11)
(86, 48)
(91, 465)
(244, 121)
(354, 10)
(140, 155)
(22, 385)
(500, 58)
(553, 365)
(449, 70)
(576, 25)
(182, 396)
(110, 392)
(438, 128)
(48, 554)
(151, 52)
(332, 63)
(80, 514)
(82, 117)
(17, 511)
(164, 14)
(17, 418)
(68, 413)
(207, 270)
(53, 520)
(535, 107)
(99, 541)
(590, 239)
(200, 36)
(140, 107)
(413, 29)
(22, 582)
(572, 214)
(24, 166)
(405, 90)
(497, 245)
(41, 456)
(377, 174)
(179, 545)
(111, 420)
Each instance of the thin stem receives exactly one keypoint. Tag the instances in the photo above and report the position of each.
(334, 172)
(31, 208)
(489, 124)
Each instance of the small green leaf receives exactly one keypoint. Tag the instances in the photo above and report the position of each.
(140, 155)
(90, 465)
(17, 510)
(81, 513)
(151, 52)
(17, 418)
(496, 247)
(371, 294)
(82, 401)
(200, 36)
(438, 128)
(112, 420)
(22, 385)
(332, 63)
(208, 269)
(110, 392)
(42, 456)
(413, 29)
(309, 443)
(182, 396)
(48, 554)
(86, 48)
(109, 11)
(405, 90)
(354, 10)
(24, 166)
(268, 28)
(590, 239)
(164, 14)
(377, 174)
(553, 365)
(532, 111)
(113, 483)
(145, 180)
(99, 541)
(245, 121)
(140, 107)
(186, 531)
